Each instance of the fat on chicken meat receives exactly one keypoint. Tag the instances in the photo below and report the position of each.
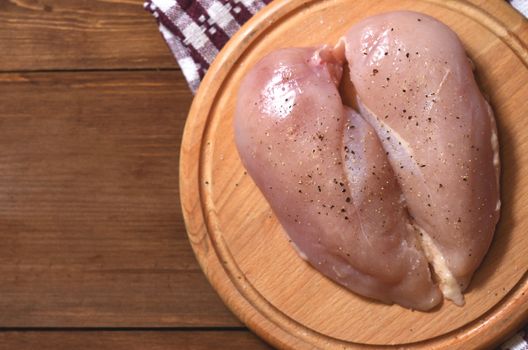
(327, 178)
(416, 87)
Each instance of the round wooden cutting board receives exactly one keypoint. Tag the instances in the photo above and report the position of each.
(242, 248)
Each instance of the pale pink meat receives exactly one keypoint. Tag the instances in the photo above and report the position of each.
(416, 87)
(377, 202)
(324, 172)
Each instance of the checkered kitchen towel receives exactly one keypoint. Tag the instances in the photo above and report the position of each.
(195, 31)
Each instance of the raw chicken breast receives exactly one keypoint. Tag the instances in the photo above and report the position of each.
(328, 180)
(415, 86)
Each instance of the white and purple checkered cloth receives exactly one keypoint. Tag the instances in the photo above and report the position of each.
(196, 30)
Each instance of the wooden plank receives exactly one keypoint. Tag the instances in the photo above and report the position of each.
(78, 34)
(90, 220)
(130, 340)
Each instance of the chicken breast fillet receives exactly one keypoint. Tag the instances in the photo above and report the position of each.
(326, 176)
(415, 86)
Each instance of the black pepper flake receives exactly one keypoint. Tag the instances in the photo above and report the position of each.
(343, 210)
(386, 53)
(407, 55)
(404, 90)
(319, 188)
(419, 19)
(346, 217)
(347, 199)
(440, 185)
(375, 71)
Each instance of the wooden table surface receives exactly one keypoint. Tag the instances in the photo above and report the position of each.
(93, 250)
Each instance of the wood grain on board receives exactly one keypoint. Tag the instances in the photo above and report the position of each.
(91, 226)
(233, 230)
(77, 34)
(131, 340)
